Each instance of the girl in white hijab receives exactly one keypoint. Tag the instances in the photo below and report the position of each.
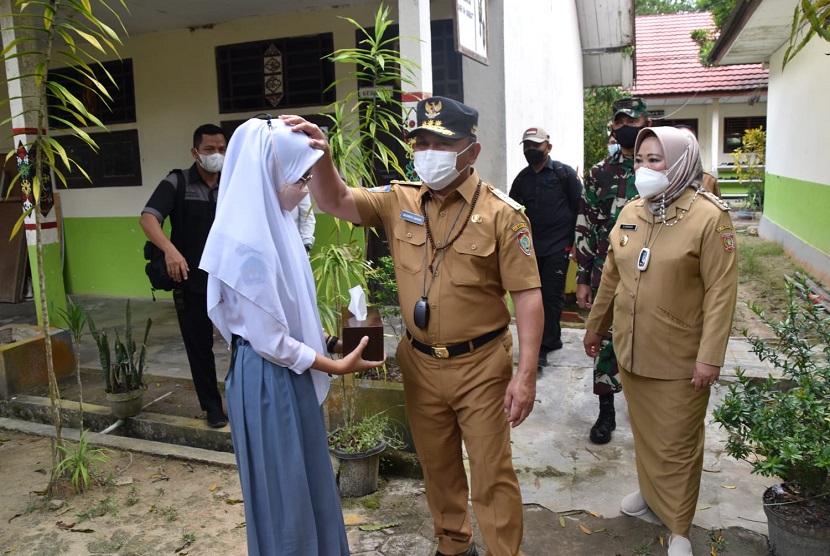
(261, 297)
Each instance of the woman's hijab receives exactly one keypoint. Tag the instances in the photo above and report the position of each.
(682, 155)
(254, 246)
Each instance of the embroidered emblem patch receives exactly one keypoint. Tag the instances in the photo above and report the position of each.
(523, 237)
(518, 226)
(722, 228)
(432, 109)
(728, 242)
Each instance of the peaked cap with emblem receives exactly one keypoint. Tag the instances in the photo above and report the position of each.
(445, 117)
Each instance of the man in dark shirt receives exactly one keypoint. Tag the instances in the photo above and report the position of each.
(550, 192)
(190, 225)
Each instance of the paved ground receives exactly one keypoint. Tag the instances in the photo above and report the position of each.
(559, 469)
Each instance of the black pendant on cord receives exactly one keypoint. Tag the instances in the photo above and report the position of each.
(421, 313)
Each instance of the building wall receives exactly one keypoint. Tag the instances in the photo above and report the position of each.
(176, 91)
(703, 114)
(543, 81)
(797, 188)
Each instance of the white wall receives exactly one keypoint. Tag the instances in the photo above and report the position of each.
(543, 80)
(799, 119)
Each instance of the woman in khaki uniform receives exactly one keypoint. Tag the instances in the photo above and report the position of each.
(669, 285)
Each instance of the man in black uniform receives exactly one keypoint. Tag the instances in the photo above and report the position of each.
(191, 216)
(550, 192)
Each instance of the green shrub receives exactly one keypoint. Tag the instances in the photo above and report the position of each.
(781, 425)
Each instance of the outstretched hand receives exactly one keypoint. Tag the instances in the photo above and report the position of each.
(353, 362)
(317, 139)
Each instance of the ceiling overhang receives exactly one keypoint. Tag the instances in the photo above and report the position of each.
(754, 31)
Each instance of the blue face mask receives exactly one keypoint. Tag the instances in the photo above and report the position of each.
(613, 149)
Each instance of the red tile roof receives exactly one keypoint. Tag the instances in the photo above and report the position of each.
(667, 60)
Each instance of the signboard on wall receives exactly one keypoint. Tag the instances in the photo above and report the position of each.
(471, 29)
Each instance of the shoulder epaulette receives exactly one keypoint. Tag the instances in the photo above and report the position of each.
(505, 197)
(718, 202)
(407, 183)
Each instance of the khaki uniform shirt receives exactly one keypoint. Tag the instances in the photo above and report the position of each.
(679, 310)
(494, 254)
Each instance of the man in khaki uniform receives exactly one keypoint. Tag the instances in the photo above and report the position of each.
(458, 245)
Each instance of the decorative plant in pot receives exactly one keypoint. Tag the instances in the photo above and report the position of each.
(781, 425)
(361, 131)
(123, 368)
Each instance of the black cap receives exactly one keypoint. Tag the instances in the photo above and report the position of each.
(445, 117)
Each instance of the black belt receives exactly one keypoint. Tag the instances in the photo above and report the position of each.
(443, 352)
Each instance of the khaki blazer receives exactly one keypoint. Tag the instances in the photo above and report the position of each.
(679, 309)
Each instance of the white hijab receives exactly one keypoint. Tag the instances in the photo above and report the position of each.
(254, 246)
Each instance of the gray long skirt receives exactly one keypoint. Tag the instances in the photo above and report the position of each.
(292, 506)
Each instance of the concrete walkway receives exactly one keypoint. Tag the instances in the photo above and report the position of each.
(559, 469)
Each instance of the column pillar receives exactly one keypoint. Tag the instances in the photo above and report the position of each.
(414, 21)
(22, 104)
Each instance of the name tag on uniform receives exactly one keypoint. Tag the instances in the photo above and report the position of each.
(628, 226)
(412, 217)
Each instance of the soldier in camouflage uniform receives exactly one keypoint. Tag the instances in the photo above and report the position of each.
(608, 187)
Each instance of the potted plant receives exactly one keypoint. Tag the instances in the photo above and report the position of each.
(363, 127)
(123, 367)
(780, 425)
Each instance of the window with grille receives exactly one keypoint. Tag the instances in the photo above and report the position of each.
(116, 164)
(119, 110)
(734, 129)
(277, 73)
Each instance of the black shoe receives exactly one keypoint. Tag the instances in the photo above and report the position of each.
(606, 422)
(469, 552)
(217, 419)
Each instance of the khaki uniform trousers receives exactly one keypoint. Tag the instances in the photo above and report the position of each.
(668, 424)
(463, 397)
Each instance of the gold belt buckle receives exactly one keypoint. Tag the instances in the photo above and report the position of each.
(440, 352)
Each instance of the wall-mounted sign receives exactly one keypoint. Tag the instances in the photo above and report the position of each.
(471, 29)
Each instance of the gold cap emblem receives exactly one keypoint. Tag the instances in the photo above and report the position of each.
(623, 240)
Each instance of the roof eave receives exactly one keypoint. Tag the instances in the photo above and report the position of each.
(737, 20)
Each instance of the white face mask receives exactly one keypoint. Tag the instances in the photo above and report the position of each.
(211, 162)
(437, 168)
(650, 183)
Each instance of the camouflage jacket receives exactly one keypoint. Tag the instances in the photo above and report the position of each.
(608, 187)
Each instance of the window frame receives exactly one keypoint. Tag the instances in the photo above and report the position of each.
(94, 163)
(732, 139)
(238, 75)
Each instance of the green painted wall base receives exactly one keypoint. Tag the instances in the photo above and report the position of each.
(53, 281)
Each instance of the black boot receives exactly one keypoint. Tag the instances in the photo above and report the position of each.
(606, 422)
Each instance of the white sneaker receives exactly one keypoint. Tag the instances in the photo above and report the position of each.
(680, 546)
(634, 504)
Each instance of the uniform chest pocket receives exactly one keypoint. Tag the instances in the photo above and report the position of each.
(474, 260)
(409, 246)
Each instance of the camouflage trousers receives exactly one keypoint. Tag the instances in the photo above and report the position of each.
(605, 368)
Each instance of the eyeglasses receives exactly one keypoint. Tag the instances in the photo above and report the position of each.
(304, 180)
